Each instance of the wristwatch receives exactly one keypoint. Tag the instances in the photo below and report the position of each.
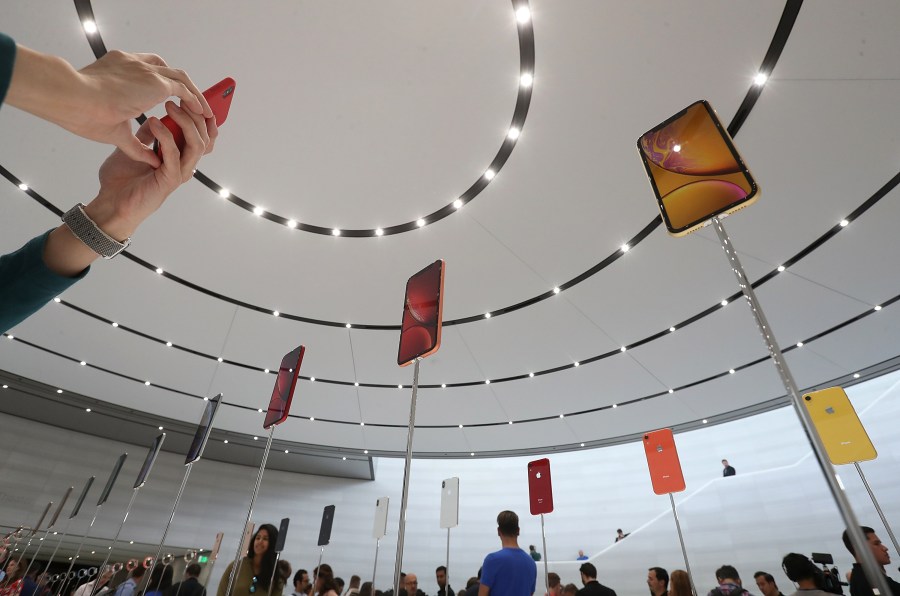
(88, 232)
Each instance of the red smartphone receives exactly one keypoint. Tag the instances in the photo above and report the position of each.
(423, 305)
(663, 462)
(283, 392)
(540, 489)
(219, 98)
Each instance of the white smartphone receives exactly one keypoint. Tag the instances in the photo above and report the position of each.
(450, 502)
(381, 513)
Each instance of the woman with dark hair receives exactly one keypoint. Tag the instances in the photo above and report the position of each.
(325, 584)
(255, 570)
(12, 581)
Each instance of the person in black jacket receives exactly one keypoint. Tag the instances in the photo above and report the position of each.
(191, 585)
(591, 586)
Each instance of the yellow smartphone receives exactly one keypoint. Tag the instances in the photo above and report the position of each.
(695, 170)
(844, 436)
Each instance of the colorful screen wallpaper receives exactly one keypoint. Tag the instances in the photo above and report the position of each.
(420, 332)
(283, 392)
(694, 170)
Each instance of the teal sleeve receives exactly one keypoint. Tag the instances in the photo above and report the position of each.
(7, 60)
(26, 284)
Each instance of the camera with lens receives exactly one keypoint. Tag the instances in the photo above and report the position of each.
(828, 579)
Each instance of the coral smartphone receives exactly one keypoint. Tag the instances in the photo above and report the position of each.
(283, 392)
(325, 528)
(420, 332)
(379, 529)
(218, 96)
(201, 435)
(248, 535)
(149, 460)
(214, 554)
(540, 489)
(695, 169)
(450, 502)
(60, 508)
(112, 479)
(282, 534)
(84, 492)
(663, 462)
(840, 429)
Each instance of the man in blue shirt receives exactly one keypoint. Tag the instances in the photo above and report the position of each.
(509, 571)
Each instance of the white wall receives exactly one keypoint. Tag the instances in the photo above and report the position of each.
(778, 502)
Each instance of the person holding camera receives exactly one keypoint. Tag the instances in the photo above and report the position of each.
(810, 579)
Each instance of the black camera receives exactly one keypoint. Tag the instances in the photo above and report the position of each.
(827, 579)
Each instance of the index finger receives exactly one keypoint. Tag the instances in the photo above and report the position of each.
(182, 86)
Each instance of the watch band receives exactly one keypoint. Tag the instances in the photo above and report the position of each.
(88, 232)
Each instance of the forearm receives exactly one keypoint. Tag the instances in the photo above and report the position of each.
(45, 86)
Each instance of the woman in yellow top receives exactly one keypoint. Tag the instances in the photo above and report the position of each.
(255, 571)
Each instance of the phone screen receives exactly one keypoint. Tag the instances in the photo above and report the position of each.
(694, 169)
(420, 331)
(84, 492)
(450, 502)
(112, 479)
(283, 392)
(148, 461)
(663, 462)
(282, 534)
(840, 429)
(540, 489)
(325, 528)
(201, 435)
(379, 529)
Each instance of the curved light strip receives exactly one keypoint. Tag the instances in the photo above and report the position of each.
(814, 245)
(636, 400)
(782, 32)
(520, 112)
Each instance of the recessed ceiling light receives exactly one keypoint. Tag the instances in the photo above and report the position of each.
(225, 441)
(510, 421)
(420, 222)
(291, 224)
(731, 371)
(471, 453)
(59, 390)
(147, 383)
(83, 363)
(556, 290)
(671, 391)
(799, 344)
(87, 409)
(724, 303)
(582, 444)
(312, 418)
(335, 232)
(615, 405)
(625, 248)
(266, 370)
(312, 379)
(399, 386)
(526, 79)
(57, 300)
(259, 410)
(356, 384)
(348, 325)
(513, 133)
(704, 421)
(257, 211)
(562, 415)
(89, 26)
(159, 271)
(443, 385)
(844, 223)
(487, 315)
(460, 425)
(362, 423)
(23, 186)
(531, 375)
(676, 148)
(344, 458)
(219, 359)
(622, 349)
(224, 193)
(457, 203)
(286, 451)
(160, 428)
(255, 438)
(366, 451)
(576, 363)
(168, 344)
(855, 376)
(761, 78)
(877, 307)
(487, 382)
(489, 174)
(671, 330)
(114, 325)
(379, 232)
(780, 268)
(205, 398)
(523, 14)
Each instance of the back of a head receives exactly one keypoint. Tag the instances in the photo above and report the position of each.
(472, 582)
(284, 569)
(508, 523)
(866, 530)
(588, 570)
(727, 572)
(365, 589)
(193, 570)
(797, 567)
(570, 590)
(554, 579)
(679, 583)
(354, 581)
(138, 571)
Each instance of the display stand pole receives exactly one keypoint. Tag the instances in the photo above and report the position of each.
(867, 560)
(274, 569)
(884, 520)
(546, 570)
(116, 537)
(375, 566)
(55, 550)
(262, 468)
(316, 574)
(447, 565)
(33, 532)
(187, 473)
(52, 523)
(398, 562)
(687, 565)
(212, 564)
(78, 550)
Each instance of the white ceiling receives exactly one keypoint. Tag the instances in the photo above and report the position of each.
(369, 115)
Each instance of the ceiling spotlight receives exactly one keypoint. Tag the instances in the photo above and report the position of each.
(622, 349)
(89, 26)
(224, 193)
(562, 415)
(671, 391)
(799, 344)
(59, 390)
(356, 384)
(275, 313)
(57, 300)
(513, 133)
(472, 453)
(335, 232)
(87, 409)
(23, 186)
(576, 364)
(780, 268)
(291, 224)
(704, 421)
(724, 303)
(676, 148)
(420, 222)
(259, 410)
(83, 363)
(255, 438)
(168, 344)
(147, 383)
(114, 325)
(219, 359)
(523, 15)
(855, 376)
(6, 386)
(877, 307)
(379, 232)
(487, 315)
(526, 79)
(257, 211)
(731, 371)
(457, 203)
(159, 271)
(531, 375)
(443, 385)
(582, 444)
(625, 248)
(344, 458)
(266, 370)
(671, 330)
(160, 428)
(286, 451)
(489, 174)
(510, 421)
(362, 423)
(487, 382)
(348, 325)
(312, 418)
(129, 542)
(556, 290)
(844, 223)
(399, 386)
(312, 379)
(760, 78)
(615, 406)
(460, 425)
(205, 398)
(225, 441)
(366, 451)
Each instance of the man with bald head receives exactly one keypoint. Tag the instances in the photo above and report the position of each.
(412, 585)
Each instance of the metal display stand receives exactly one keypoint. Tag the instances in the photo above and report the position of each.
(546, 570)
(687, 565)
(403, 501)
(115, 540)
(884, 520)
(866, 559)
(75, 511)
(52, 523)
(34, 531)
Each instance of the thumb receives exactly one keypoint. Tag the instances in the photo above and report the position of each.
(134, 149)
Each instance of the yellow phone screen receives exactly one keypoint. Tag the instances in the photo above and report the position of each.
(840, 429)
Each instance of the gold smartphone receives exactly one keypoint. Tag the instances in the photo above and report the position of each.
(695, 170)
(842, 433)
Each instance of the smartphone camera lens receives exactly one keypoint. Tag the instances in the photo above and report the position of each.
(808, 398)
(228, 92)
(443, 484)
